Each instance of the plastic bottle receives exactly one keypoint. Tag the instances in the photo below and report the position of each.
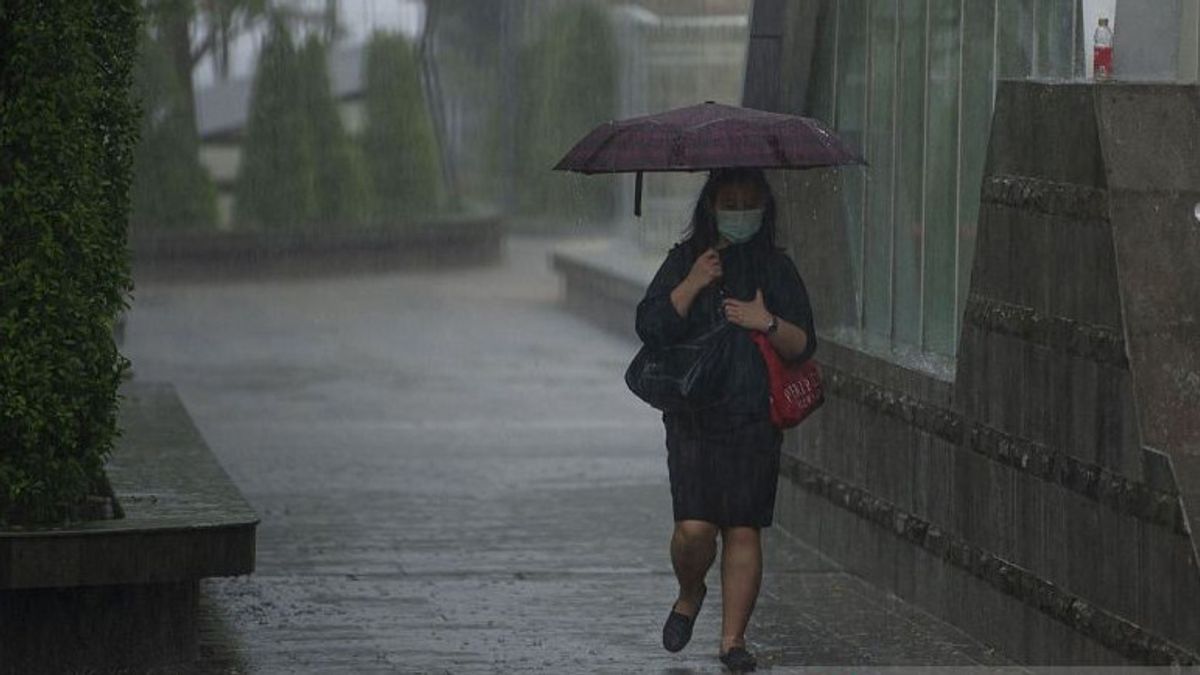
(1102, 51)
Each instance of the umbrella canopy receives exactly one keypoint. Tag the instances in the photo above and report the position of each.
(707, 136)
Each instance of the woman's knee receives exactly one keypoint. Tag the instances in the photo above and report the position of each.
(695, 532)
(740, 536)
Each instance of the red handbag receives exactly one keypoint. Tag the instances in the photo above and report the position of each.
(795, 388)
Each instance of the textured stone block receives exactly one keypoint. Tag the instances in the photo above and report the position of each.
(1062, 146)
(1085, 406)
(1120, 573)
(1151, 139)
(1029, 519)
(1085, 553)
(97, 628)
(1002, 532)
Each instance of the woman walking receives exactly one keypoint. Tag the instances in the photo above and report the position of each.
(723, 461)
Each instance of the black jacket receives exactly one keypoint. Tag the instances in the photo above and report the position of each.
(746, 267)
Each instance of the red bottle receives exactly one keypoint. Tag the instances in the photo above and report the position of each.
(1102, 51)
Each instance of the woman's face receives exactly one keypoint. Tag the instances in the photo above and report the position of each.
(737, 197)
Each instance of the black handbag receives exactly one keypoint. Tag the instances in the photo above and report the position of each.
(687, 376)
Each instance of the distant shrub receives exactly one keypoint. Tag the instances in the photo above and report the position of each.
(470, 58)
(277, 177)
(399, 143)
(68, 128)
(568, 86)
(171, 189)
(343, 197)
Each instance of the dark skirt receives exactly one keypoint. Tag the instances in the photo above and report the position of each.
(723, 469)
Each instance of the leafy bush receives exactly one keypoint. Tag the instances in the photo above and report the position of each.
(568, 86)
(342, 193)
(399, 142)
(68, 129)
(470, 61)
(171, 189)
(276, 180)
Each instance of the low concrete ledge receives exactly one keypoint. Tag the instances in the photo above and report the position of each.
(122, 592)
(604, 281)
(461, 238)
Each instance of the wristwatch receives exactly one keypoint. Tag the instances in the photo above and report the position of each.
(772, 325)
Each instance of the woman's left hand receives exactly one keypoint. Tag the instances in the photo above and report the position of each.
(751, 315)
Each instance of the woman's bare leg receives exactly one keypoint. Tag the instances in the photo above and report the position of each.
(741, 575)
(693, 548)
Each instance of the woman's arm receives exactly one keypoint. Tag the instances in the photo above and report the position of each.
(662, 313)
(684, 295)
(705, 270)
(658, 321)
(789, 340)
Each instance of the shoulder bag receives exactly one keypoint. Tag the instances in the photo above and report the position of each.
(795, 388)
(687, 376)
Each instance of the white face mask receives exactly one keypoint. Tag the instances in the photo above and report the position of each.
(739, 226)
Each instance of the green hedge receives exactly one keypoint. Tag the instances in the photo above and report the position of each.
(277, 177)
(568, 86)
(300, 169)
(399, 142)
(68, 128)
(171, 189)
(343, 195)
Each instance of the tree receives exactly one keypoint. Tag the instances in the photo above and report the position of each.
(464, 41)
(171, 189)
(399, 144)
(174, 22)
(276, 180)
(568, 87)
(342, 194)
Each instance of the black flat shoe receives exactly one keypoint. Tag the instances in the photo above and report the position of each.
(738, 660)
(677, 631)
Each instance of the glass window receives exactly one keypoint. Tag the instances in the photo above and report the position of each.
(941, 190)
(910, 173)
(911, 83)
(877, 247)
(851, 113)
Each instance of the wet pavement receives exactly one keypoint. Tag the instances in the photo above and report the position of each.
(452, 478)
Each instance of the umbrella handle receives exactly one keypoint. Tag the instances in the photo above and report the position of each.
(637, 195)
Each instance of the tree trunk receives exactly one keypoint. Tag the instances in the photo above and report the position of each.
(434, 100)
(177, 35)
(509, 47)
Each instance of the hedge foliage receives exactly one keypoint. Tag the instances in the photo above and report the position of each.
(470, 59)
(300, 169)
(343, 194)
(277, 177)
(68, 128)
(568, 86)
(399, 141)
(171, 189)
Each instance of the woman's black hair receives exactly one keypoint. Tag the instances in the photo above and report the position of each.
(702, 232)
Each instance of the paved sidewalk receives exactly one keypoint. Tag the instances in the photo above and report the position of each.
(452, 478)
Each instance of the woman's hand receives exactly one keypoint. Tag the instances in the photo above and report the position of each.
(751, 315)
(705, 270)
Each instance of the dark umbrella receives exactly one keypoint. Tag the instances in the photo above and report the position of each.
(703, 137)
